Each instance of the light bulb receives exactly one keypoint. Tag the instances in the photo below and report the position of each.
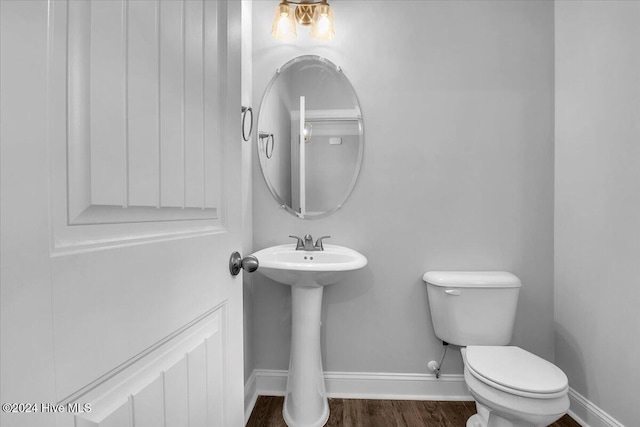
(306, 133)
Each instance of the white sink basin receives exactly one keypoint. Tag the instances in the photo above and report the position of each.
(286, 265)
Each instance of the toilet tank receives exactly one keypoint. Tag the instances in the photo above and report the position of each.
(473, 307)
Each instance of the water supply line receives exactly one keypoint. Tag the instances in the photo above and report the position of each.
(444, 353)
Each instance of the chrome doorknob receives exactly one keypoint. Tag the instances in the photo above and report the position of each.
(248, 263)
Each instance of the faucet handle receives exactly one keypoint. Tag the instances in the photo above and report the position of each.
(299, 244)
(318, 244)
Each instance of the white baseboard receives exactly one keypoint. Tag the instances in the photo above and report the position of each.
(373, 385)
(587, 414)
(271, 382)
(362, 385)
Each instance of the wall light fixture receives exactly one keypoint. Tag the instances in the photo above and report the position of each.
(318, 15)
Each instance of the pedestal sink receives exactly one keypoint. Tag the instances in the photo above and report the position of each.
(307, 272)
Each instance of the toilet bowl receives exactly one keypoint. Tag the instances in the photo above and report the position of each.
(513, 387)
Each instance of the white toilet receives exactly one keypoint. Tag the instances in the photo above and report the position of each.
(476, 310)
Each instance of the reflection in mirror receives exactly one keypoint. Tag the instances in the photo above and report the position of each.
(309, 99)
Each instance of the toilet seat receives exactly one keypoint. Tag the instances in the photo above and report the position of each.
(516, 371)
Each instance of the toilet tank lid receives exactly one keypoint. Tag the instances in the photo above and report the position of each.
(472, 279)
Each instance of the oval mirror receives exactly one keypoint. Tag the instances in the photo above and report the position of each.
(309, 99)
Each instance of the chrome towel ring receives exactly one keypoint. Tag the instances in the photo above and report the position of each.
(270, 138)
(247, 135)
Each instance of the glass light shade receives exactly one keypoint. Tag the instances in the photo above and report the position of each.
(323, 27)
(284, 25)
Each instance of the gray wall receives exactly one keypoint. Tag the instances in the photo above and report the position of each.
(331, 168)
(597, 202)
(457, 99)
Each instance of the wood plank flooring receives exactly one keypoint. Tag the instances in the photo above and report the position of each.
(380, 413)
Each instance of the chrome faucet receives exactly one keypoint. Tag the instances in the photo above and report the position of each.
(307, 243)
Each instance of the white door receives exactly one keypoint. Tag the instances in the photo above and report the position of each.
(120, 167)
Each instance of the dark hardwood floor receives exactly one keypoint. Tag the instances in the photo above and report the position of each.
(380, 413)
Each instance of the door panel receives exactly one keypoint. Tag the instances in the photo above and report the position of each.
(177, 383)
(145, 87)
(106, 303)
(143, 146)
(176, 394)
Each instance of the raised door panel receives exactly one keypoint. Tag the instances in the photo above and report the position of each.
(145, 92)
(176, 394)
(121, 417)
(178, 383)
(148, 405)
(215, 388)
(194, 109)
(213, 106)
(172, 97)
(108, 130)
(143, 87)
(197, 361)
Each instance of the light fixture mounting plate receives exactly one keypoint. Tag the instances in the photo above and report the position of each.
(304, 13)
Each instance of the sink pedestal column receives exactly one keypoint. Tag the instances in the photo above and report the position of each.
(305, 404)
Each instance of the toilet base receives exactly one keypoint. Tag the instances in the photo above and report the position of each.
(480, 418)
(494, 421)
(475, 421)
(488, 418)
